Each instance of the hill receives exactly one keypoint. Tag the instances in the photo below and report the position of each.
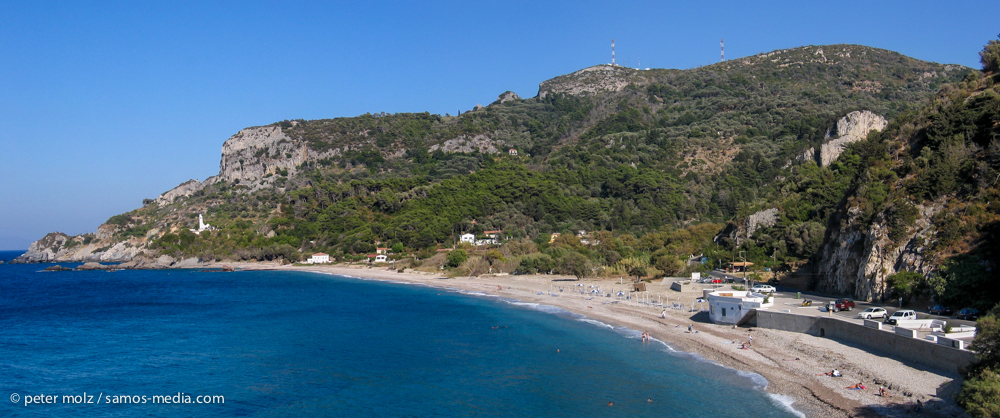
(651, 163)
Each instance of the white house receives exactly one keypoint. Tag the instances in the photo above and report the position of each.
(469, 238)
(729, 306)
(512, 151)
(381, 258)
(319, 258)
(381, 250)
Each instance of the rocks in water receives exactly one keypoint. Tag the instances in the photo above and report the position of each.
(94, 266)
(57, 268)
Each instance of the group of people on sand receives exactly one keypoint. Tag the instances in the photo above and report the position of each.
(882, 391)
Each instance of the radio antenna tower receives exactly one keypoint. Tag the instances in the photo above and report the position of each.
(613, 52)
(722, 44)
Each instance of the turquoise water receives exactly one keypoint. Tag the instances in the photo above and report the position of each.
(278, 344)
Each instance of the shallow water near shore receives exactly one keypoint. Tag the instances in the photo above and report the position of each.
(279, 343)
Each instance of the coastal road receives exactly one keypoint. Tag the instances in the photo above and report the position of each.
(786, 298)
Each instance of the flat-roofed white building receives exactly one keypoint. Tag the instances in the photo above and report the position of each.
(729, 306)
(319, 258)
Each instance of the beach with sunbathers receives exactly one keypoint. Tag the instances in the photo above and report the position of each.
(789, 361)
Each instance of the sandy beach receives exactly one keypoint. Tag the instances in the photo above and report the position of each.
(792, 363)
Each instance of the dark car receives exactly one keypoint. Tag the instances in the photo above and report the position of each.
(939, 310)
(969, 314)
(845, 304)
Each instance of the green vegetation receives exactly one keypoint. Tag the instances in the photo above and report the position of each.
(980, 395)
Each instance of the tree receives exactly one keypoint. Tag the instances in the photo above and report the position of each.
(903, 284)
(638, 270)
(980, 395)
(575, 264)
(987, 341)
(457, 257)
(990, 56)
(493, 255)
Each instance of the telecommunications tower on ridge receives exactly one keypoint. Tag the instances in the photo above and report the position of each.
(613, 52)
(722, 45)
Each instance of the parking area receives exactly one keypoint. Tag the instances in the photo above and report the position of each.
(788, 298)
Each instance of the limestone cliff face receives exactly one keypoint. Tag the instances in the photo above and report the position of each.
(851, 128)
(253, 153)
(855, 260)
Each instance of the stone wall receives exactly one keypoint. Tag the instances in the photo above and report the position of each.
(886, 343)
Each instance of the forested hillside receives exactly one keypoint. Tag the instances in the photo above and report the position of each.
(650, 164)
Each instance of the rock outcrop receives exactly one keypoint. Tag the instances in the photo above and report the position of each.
(592, 80)
(855, 260)
(59, 247)
(851, 128)
(253, 153)
(184, 189)
(462, 143)
(508, 96)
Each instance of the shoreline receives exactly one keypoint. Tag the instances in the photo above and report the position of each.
(792, 363)
(788, 361)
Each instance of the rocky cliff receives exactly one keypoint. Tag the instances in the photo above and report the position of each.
(849, 129)
(59, 247)
(856, 259)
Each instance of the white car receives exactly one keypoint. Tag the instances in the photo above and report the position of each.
(873, 313)
(763, 288)
(901, 315)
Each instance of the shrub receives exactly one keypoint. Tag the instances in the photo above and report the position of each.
(457, 257)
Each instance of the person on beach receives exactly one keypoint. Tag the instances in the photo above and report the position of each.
(856, 386)
(689, 328)
(883, 393)
(663, 314)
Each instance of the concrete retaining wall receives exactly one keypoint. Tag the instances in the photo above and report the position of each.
(937, 356)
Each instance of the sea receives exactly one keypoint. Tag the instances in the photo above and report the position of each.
(170, 343)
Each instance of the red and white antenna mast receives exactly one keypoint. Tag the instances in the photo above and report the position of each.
(613, 52)
(722, 44)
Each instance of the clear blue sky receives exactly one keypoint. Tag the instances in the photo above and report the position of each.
(103, 105)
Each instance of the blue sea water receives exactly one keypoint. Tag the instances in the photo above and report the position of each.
(279, 344)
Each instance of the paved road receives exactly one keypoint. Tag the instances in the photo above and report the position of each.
(785, 298)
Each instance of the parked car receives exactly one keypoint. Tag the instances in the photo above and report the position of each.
(763, 288)
(900, 315)
(845, 304)
(939, 310)
(970, 314)
(873, 313)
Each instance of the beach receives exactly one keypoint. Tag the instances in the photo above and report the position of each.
(792, 363)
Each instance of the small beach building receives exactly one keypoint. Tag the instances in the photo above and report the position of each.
(740, 266)
(381, 250)
(469, 238)
(730, 306)
(381, 258)
(319, 258)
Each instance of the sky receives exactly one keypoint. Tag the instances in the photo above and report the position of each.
(104, 104)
